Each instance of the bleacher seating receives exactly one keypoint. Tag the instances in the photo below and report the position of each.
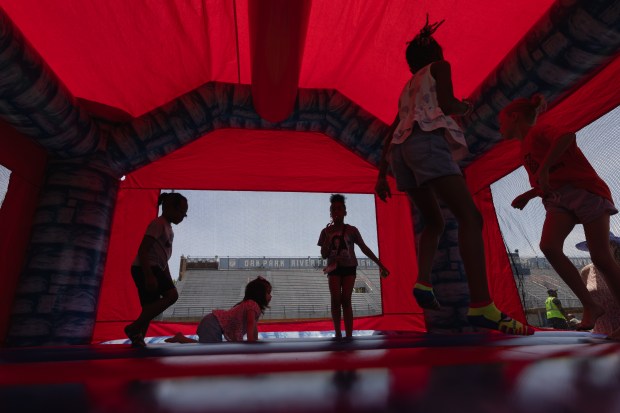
(297, 294)
(539, 281)
(304, 293)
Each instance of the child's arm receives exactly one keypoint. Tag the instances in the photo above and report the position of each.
(143, 257)
(323, 243)
(251, 327)
(445, 95)
(368, 252)
(559, 147)
(521, 201)
(382, 189)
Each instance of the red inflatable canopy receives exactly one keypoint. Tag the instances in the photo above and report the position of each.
(138, 55)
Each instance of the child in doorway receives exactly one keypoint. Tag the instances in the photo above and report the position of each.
(236, 322)
(423, 144)
(150, 270)
(572, 193)
(337, 242)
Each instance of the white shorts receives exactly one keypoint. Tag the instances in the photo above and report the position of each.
(423, 156)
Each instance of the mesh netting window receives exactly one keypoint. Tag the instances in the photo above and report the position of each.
(5, 176)
(230, 237)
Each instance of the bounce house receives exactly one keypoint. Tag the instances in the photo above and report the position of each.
(104, 104)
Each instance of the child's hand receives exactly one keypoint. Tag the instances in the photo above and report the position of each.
(383, 271)
(382, 189)
(520, 202)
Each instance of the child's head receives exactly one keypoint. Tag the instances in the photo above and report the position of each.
(338, 208)
(424, 49)
(258, 290)
(173, 206)
(520, 113)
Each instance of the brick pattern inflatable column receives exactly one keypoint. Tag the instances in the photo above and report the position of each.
(57, 291)
(56, 299)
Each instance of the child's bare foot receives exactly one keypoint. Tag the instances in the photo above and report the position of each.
(590, 315)
(135, 336)
(174, 339)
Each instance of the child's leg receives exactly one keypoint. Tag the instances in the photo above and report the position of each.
(153, 302)
(335, 289)
(482, 313)
(454, 192)
(345, 300)
(597, 237)
(152, 310)
(145, 329)
(556, 228)
(424, 199)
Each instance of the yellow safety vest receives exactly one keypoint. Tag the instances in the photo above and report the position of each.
(552, 309)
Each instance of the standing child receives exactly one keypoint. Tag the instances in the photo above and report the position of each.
(233, 324)
(337, 242)
(572, 193)
(150, 270)
(423, 144)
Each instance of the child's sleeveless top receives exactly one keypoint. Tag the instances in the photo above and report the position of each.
(418, 103)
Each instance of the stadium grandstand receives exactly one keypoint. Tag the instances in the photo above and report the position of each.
(300, 289)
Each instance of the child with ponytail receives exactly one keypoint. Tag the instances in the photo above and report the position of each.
(572, 193)
(150, 271)
(422, 146)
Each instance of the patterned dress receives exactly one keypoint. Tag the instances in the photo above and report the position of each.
(418, 104)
